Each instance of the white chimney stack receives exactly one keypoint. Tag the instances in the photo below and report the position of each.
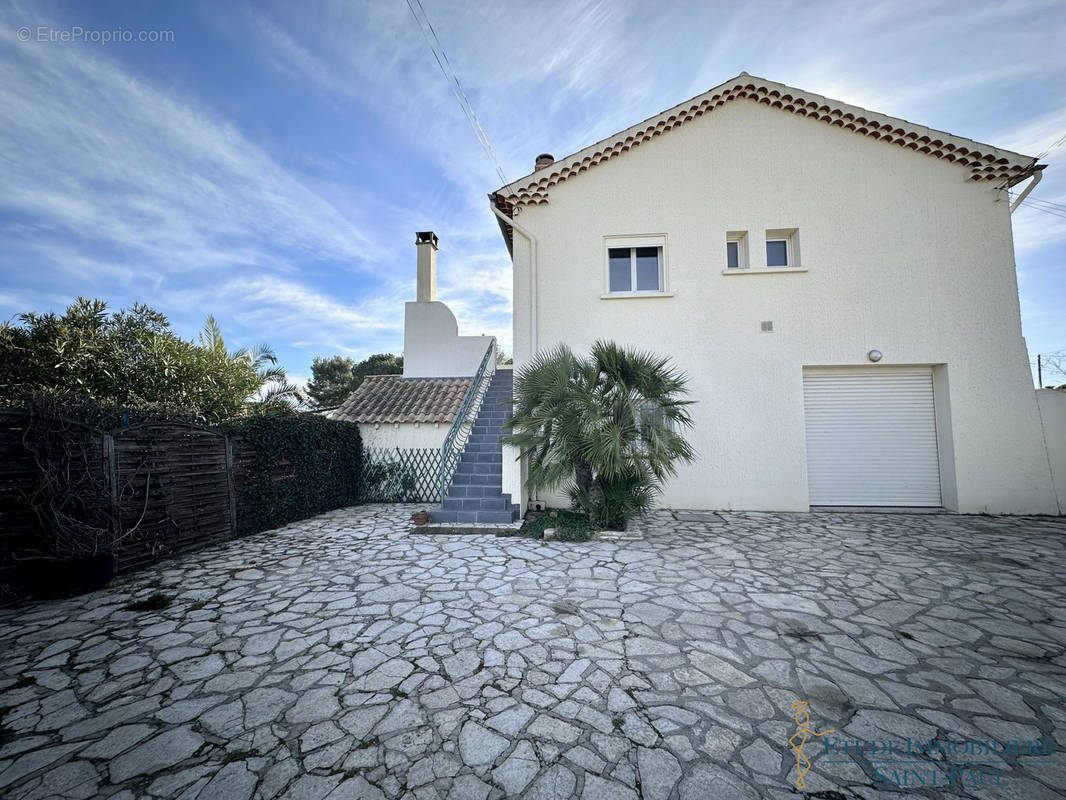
(426, 244)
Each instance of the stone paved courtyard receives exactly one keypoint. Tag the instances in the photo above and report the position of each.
(345, 657)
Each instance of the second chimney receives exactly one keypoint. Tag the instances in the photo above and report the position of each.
(426, 244)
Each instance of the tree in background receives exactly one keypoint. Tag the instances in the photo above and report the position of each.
(1053, 370)
(130, 360)
(274, 390)
(607, 424)
(333, 379)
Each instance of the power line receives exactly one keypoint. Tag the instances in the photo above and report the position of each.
(1058, 214)
(1048, 203)
(1043, 205)
(441, 57)
(1057, 142)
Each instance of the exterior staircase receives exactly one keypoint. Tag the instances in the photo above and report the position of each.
(476, 494)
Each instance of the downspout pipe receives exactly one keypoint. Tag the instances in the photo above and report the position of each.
(532, 287)
(532, 271)
(1038, 173)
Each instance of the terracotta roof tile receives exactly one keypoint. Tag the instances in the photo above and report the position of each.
(984, 162)
(391, 398)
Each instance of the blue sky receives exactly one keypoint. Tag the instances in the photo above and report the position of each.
(271, 164)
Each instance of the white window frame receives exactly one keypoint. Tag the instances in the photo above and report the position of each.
(788, 236)
(740, 239)
(788, 253)
(632, 243)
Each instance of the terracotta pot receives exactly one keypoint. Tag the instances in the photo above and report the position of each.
(420, 517)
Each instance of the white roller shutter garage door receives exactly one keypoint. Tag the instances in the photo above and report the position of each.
(871, 437)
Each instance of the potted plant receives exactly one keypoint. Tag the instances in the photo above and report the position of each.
(420, 517)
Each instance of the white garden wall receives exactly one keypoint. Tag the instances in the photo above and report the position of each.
(1052, 406)
(403, 434)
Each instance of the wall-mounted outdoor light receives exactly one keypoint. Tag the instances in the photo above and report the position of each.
(874, 355)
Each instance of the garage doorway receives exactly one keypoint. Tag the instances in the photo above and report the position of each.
(871, 436)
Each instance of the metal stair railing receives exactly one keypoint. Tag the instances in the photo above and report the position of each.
(455, 442)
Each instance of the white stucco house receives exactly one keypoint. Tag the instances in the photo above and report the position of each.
(839, 286)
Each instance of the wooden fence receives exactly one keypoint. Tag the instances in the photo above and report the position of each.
(173, 490)
(166, 488)
(18, 478)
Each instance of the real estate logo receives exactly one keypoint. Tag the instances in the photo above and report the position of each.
(799, 739)
(910, 763)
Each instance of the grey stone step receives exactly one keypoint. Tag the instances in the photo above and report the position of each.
(496, 516)
(484, 516)
(483, 447)
(465, 479)
(457, 490)
(497, 503)
(479, 468)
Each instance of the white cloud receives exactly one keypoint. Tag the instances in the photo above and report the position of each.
(98, 154)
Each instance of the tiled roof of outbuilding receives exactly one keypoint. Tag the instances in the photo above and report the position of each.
(392, 398)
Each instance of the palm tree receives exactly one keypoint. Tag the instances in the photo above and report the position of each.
(274, 390)
(608, 423)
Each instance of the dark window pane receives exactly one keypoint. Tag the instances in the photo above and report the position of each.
(732, 254)
(620, 277)
(777, 254)
(648, 269)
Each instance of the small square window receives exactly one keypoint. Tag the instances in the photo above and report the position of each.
(777, 253)
(736, 250)
(634, 270)
(782, 248)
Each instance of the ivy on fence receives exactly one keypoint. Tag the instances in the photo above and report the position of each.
(292, 466)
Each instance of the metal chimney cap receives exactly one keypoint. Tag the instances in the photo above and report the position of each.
(422, 237)
(545, 160)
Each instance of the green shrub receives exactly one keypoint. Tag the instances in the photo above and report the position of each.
(608, 426)
(569, 526)
(293, 466)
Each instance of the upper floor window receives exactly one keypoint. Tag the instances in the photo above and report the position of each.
(636, 265)
(736, 250)
(781, 248)
(777, 253)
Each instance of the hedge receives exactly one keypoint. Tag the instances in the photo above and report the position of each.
(293, 466)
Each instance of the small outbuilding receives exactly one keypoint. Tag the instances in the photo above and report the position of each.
(393, 411)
